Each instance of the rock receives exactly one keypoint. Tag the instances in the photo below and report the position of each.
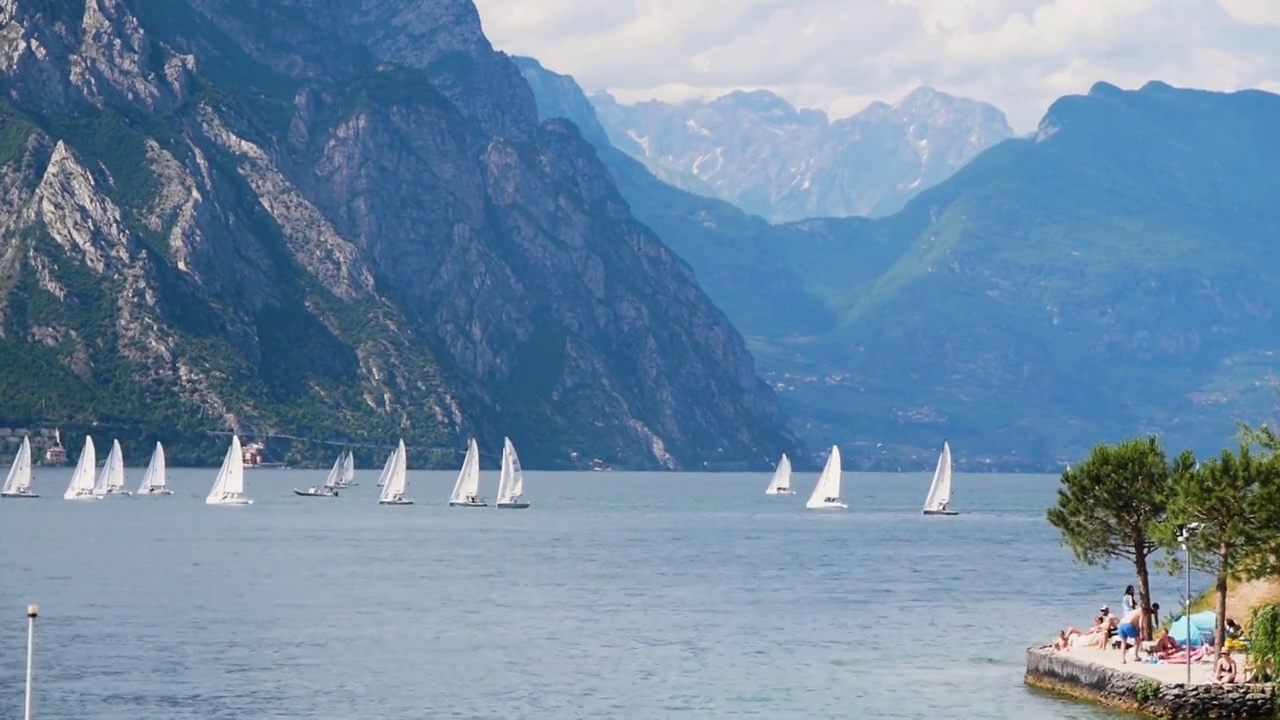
(1070, 675)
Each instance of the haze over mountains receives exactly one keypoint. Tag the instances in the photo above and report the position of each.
(338, 220)
(1114, 274)
(757, 151)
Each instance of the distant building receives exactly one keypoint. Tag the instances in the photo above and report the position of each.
(55, 454)
(253, 454)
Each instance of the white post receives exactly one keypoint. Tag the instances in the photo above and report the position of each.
(1186, 533)
(32, 612)
(1188, 613)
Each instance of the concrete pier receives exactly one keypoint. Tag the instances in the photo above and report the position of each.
(1158, 690)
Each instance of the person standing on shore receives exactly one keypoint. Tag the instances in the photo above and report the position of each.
(1128, 603)
(1128, 632)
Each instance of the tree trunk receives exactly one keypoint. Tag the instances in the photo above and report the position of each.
(1220, 622)
(1144, 590)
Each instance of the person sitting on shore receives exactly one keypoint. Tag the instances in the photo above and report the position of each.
(1087, 638)
(1234, 631)
(1224, 671)
(1129, 633)
(1109, 624)
(1253, 674)
(1063, 641)
(1165, 646)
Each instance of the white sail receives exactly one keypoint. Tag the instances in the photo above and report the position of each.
(111, 479)
(335, 474)
(155, 480)
(511, 480)
(19, 480)
(826, 494)
(81, 485)
(781, 482)
(396, 482)
(940, 490)
(386, 469)
(468, 484)
(228, 488)
(348, 469)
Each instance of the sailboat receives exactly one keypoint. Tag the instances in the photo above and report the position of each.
(386, 469)
(511, 481)
(826, 494)
(228, 488)
(348, 476)
(466, 492)
(81, 485)
(395, 480)
(111, 480)
(781, 482)
(330, 486)
(156, 480)
(939, 498)
(18, 483)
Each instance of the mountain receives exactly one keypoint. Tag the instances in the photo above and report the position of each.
(1111, 275)
(336, 219)
(1115, 274)
(755, 150)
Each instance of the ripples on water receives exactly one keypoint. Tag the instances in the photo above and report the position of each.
(631, 596)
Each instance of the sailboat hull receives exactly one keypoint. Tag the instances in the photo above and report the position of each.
(18, 495)
(519, 505)
(312, 492)
(395, 502)
(231, 501)
(781, 492)
(153, 491)
(460, 503)
(829, 506)
(939, 512)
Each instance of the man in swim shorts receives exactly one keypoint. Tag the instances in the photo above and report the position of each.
(1128, 631)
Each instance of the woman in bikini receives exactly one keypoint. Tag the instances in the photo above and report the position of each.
(1224, 671)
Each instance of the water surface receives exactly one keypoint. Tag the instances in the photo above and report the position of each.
(618, 595)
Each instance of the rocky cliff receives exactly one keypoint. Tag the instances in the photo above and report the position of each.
(336, 220)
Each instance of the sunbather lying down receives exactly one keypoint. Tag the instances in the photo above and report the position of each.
(1182, 657)
(1074, 637)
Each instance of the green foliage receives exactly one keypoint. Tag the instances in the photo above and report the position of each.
(1264, 638)
(1232, 498)
(1111, 504)
(106, 137)
(15, 131)
(1147, 691)
(1262, 436)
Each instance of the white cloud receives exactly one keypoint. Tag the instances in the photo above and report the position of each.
(841, 54)
(1253, 12)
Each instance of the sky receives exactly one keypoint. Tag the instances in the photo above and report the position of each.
(840, 55)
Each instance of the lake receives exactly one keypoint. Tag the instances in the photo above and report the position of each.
(618, 595)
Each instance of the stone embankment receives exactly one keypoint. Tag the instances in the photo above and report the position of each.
(1144, 688)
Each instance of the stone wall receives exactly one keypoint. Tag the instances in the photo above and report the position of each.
(1068, 675)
